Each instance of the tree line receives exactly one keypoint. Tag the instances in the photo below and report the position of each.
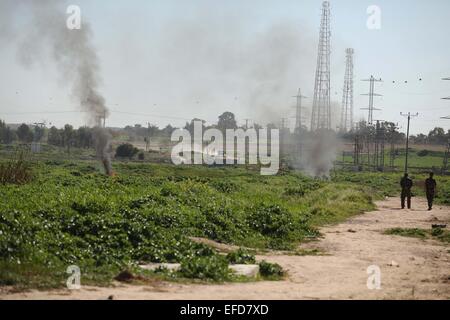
(64, 137)
(82, 137)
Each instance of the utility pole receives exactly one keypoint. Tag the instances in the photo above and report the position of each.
(371, 95)
(147, 140)
(408, 115)
(447, 152)
(298, 113)
(246, 123)
(282, 137)
(446, 156)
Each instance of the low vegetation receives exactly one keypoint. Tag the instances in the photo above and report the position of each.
(73, 215)
(61, 211)
(16, 170)
(435, 233)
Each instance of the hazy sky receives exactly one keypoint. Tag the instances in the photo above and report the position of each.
(174, 60)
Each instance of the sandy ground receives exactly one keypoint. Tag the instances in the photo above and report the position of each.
(410, 268)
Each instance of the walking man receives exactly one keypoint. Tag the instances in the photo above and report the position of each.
(430, 188)
(406, 184)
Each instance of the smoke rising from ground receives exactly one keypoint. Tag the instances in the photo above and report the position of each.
(43, 37)
(319, 153)
(211, 57)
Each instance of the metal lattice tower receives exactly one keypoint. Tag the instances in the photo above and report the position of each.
(298, 111)
(347, 97)
(371, 95)
(321, 112)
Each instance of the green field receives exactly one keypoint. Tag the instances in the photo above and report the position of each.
(417, 159)
(71, 214)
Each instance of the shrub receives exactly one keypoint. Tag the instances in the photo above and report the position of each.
(272, 221)
(241, 256)
(126, 150)
(270, 270)
(224, 186)
(423, 153)
(437, 232)
(16, 171)
(211, 267)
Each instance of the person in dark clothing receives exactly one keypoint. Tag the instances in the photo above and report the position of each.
(406, 184)
(430, 188)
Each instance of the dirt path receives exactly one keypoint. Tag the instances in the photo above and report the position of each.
(421, 269)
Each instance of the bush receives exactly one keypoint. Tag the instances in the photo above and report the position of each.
(241, 256)
(210, 267)
(270, 270)
(423, 153)
(225, 186)
(126, 150)
(272, 221)
(141, 156)
(16, 171)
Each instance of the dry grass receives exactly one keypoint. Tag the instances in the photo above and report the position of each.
(17, 170)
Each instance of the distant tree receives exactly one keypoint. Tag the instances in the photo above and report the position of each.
(83, 137)
(152, 130)
(7, 136)
(420, 139)
(24, 133)
(272, 126)
(392, 133)
(68, 135)
(38, 133)
(55, 137)
(227, 120)
(190, 126)
(126, 150)
(167, 131)
(437, 136)
(257, 126)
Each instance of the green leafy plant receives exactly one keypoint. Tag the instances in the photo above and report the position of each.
(126, 150)
(211, 267)
(271, 271)
(16, 171)
(241, 256)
